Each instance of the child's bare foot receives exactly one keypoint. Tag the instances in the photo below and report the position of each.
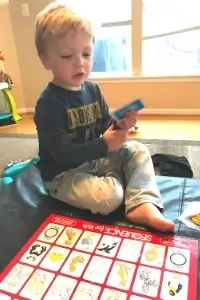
(148, 214)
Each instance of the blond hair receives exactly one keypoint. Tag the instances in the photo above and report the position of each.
(55, 21)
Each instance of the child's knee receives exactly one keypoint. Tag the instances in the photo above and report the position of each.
(98, 194)
(139, 150)
(107, 196)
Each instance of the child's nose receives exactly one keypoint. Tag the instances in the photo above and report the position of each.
(79, 61)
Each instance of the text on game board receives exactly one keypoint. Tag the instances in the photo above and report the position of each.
(107, 230)
(115, 231)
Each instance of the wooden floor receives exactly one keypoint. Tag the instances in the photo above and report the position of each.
(150, 127)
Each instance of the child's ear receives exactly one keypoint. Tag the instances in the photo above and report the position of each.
(45, 61)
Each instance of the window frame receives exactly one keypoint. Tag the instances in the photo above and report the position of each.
(136, 44)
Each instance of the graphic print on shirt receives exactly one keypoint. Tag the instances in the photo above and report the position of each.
(84, 115)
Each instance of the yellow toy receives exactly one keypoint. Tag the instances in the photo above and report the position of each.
(6, 85)
(196, 219)
(1, 65)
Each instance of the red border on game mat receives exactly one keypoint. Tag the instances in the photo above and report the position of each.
(119, 231)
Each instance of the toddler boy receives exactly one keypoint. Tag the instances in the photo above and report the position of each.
(84, 160)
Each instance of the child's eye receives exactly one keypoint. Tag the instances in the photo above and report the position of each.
(86, 54)
(65, 56)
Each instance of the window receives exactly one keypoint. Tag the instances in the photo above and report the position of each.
(144, 37)
(171, 37)
(112, 48)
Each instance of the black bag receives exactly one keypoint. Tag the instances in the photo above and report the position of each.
(172, 165)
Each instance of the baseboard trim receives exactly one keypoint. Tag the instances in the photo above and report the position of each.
(26, 110)
(146, 111)
(174, 112)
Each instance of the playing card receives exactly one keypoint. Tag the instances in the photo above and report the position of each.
(97, 269)
(35, 253)
(108, 246)
(174, 286)
(61, 289)
(153, 255)
(37, 285)
(178, 259)
(75, 264)
(113, 295)
(147, 281)
(55, 258)
(121, 275)
(130, 250)
(88, 241)
(16, 278)
(135, 104)
(86, 291)
(69, 237)
(50, 233)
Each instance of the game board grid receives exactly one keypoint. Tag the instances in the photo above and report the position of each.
(88, 260)
(78, 281)
(137, 264)
(77, 285)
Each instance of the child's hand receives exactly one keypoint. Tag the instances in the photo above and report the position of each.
(115, 139)
(129, 120)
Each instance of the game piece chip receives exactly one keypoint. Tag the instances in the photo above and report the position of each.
(196, 219)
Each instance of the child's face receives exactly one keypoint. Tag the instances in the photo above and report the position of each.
(70, 59)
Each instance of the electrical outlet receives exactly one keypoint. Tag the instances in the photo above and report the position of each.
(25, 10)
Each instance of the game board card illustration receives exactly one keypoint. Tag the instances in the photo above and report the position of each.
(68, 258)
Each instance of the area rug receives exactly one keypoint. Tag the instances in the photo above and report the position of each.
(25, 146)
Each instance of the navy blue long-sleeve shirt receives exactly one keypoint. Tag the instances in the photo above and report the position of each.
(70, 125)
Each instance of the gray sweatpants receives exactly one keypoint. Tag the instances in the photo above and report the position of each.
(102, 185)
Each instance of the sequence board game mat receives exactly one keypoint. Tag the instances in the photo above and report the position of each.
(68, 258)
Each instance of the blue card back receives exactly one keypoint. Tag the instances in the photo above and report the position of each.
(136, 104)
